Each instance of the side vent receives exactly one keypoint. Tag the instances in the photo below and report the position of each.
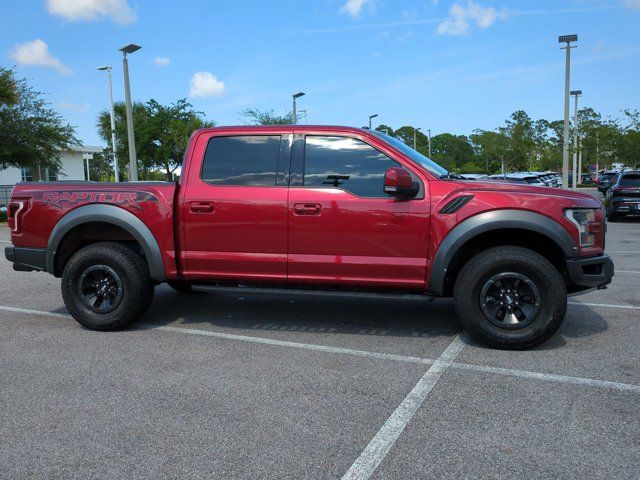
(456, 204)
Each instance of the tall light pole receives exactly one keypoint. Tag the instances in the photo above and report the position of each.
(576, 126)
(565, 137)
(429, 132)
(295, 114)
(415, 130)
(371, 117)
(304, 112)
(133, 166)
(107, 69)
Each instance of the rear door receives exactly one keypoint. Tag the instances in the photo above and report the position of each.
(234, 207)
(343, 228)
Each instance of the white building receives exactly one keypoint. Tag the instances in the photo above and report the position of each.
(72, 162)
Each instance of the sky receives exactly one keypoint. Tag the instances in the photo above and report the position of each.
(448, 66)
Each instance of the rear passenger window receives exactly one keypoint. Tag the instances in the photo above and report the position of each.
(241, 160)
(346, 163)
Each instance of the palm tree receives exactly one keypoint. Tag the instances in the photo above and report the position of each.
(8, 88)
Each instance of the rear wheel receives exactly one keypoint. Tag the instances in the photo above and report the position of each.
(611, 217)
(106, 286)
(510, 297)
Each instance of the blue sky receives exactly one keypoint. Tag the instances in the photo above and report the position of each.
(451, 66)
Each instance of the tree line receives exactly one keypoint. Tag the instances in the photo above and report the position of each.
(33, 134)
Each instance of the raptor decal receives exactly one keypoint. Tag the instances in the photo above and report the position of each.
(127, 199)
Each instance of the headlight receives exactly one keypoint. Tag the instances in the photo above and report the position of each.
(581, 218)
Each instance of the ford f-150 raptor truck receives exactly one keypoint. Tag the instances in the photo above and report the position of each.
(320, 207)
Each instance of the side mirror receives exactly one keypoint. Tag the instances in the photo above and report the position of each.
(399, 183)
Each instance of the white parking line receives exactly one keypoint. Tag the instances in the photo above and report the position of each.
(626, 387)
(605, 305)
(623, 251)
(379, 446)
(635, 272)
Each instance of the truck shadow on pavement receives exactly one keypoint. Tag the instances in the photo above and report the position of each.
(295, 312)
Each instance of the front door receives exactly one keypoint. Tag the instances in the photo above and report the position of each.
(343, 228)
(234, 208)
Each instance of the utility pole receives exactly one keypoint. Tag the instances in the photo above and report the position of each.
(133, 164)
(576, 126)
(415, 131)
(565, 137)
(294, 113)
(113, 124)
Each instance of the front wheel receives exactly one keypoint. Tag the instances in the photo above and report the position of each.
(510, 297)
(106, 286)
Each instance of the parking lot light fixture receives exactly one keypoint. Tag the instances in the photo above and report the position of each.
(133, 166)
(576, 125)
(371, 117)
(567, 39)
(294, 113)
(107, 69)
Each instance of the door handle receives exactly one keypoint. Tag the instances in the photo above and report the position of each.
(307, 209)
(201, 207)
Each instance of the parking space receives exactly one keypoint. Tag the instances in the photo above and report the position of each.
(240, 384)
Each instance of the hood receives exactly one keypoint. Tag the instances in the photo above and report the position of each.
(499, 186)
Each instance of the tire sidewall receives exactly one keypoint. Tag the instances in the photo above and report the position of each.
(122, 263)
(552, 301)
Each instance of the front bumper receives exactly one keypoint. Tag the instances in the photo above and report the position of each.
(27, 259)
(590, 272)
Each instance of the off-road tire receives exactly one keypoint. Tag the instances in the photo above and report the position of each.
(493, 262)
(122, 264)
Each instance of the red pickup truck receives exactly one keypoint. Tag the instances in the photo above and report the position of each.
(319, 207)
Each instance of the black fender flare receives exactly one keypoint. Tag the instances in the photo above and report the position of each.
(115, 216)
(494, 220)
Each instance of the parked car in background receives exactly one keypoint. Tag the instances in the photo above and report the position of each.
(605, 180)
(519, 177)
(623, 197)
(474, 176)
(548, 179)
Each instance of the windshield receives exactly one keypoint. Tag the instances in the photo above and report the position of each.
(417, 157)
(630, 181)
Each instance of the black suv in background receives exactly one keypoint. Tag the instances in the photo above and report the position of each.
(623, 196)
(605, 180)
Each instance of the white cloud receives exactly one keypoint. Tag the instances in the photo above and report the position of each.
(461, 17)
(36, 54)
(633, 4)
(75, 10)
(74, 107)
(205, 84)
(162, 61)
(354, 7)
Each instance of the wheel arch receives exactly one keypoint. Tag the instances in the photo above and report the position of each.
(518, 227)
(111, 215)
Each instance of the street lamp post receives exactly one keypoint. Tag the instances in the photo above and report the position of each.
(415, 130)
(565, 137)
(304, 112)
(133, 166)
(295, 114)
(429, 132)
(371, 117)
(576, 126)
(113, 124)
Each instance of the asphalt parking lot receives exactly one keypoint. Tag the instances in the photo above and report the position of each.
(240, 384)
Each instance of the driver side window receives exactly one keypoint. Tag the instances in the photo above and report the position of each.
(346, 163)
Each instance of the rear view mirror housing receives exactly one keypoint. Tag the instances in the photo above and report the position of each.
(398, 182)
